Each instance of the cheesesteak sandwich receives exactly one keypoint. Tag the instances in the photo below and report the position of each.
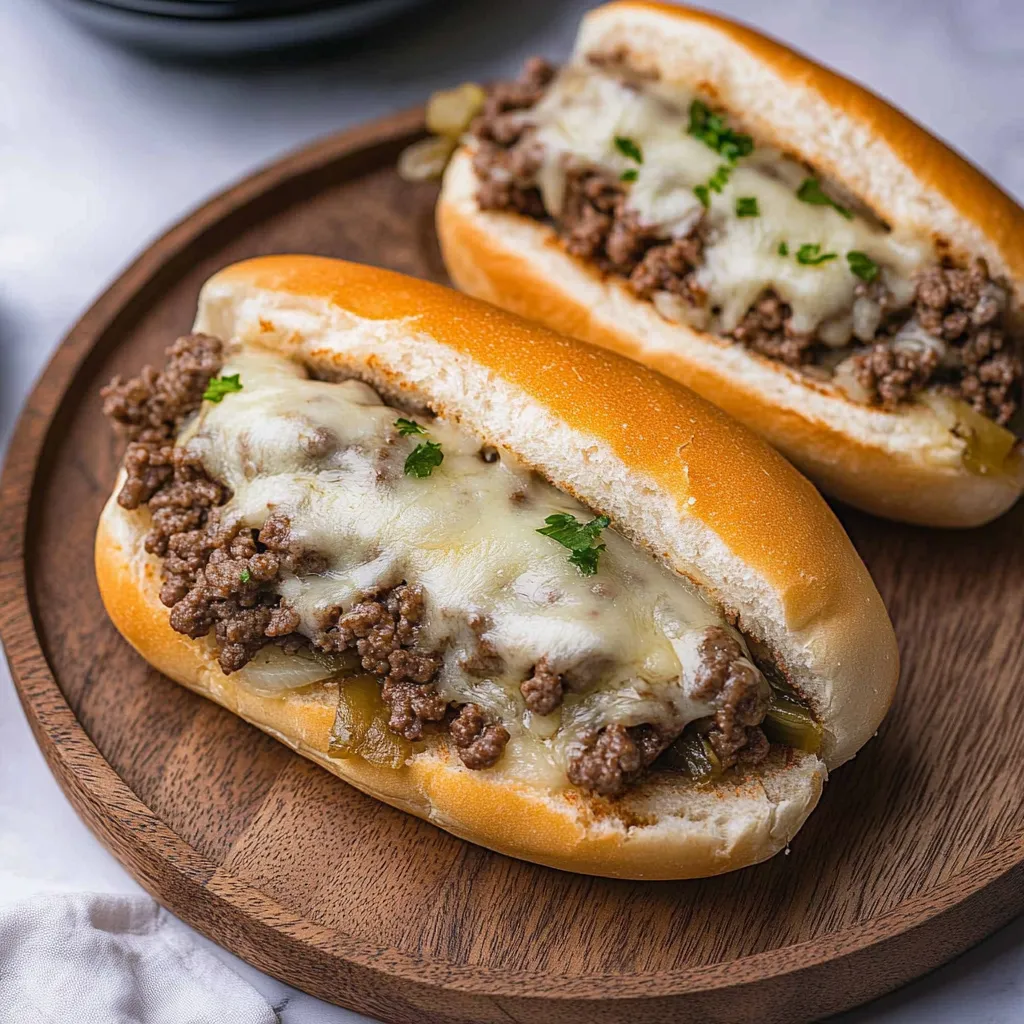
(696, 196)
(521, 587)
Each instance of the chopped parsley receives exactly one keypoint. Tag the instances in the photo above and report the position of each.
(630, 175)
(424, 459)
(862, 265)
(579, 538)
(811, 255)
(811, 192)
(783, 249)
(218, 387)
(406, 427)
(629, 149)
(712, 130)
(245, 576)
(715, 183)
(746, 206)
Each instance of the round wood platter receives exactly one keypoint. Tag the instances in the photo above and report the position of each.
(915, 853)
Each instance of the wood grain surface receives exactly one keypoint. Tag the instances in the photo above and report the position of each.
(916, 852)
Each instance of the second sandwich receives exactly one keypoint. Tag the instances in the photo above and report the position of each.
(701, 198)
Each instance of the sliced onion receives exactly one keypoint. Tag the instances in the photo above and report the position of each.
(677, 310)
(867, 317)
(273, 673)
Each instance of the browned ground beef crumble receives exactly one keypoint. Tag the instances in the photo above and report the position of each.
(220, 576)
(962, 307)
(543, 691)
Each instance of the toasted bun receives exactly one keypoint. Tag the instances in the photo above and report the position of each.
(674, 474)
(904, 464)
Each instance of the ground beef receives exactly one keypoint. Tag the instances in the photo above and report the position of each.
(767, 328)
(220, 581)
(965, 308)
(669, 268)
(214, 575)
(543, 691)
(383, 631)
(276, 534)
(505, 167)
(891, 376)
(507, 179)
(609, 761)
(501, 121)
(160, 400)
(479, 744)
(739, 693)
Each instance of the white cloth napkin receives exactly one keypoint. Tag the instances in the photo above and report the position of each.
(102, 959)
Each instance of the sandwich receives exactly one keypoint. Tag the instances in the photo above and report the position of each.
(702, 199)
(516, 585)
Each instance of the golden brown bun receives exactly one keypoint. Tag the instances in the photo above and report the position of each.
(674, 474)
(904, 465)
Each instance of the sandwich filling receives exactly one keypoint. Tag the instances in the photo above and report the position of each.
(740, 240)
(311, 531)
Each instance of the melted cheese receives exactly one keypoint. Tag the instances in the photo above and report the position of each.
(328, 456)
(583, 112)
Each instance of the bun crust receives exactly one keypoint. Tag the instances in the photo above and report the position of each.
(902, 465)
(673, 473)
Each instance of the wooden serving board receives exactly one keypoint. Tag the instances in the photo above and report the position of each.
(916, 852)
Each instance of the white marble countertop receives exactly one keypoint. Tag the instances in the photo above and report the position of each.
(100, 150)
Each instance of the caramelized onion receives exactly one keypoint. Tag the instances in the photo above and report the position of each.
(450, 111)
(988, 447)
(425, 160)
(361, 726)
(273, 673)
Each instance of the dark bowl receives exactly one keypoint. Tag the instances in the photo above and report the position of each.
(219, 29)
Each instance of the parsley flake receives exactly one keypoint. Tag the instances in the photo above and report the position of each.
(245, 576)
(630, 175)
(746, 206)
(783, 249)
(811, 192)
(579, 538)
(715, 183)
(218, 387)
(424, 459)
(712, 130)
(406, 427)
(862, 265)
(629, 149)
(811, 255)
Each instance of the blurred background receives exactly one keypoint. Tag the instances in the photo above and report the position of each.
(119, 116)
